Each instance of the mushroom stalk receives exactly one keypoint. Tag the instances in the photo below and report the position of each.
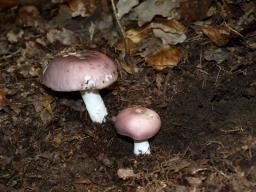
(95, 106)
(141, 147)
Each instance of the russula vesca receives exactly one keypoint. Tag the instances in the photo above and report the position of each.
(140, 124)
(87, 72)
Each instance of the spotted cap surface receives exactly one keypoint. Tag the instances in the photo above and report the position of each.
(86, 70)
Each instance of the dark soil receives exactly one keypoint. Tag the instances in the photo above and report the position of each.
(207, 141)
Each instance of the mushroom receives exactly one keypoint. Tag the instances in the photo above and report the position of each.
(87, 72)
(139, 123)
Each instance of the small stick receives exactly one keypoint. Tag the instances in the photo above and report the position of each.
(127, 51)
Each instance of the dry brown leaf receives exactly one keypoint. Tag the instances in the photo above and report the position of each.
(194, 10)
(220, 35)
(34, 71)
(129, 69)
(169, 31)
(131, 46)
(47, 104)
(45, 116)
(175, 25)
(43, 102)
(139, 34)
(125, 173)
(165, 57)
(149, 46)
(57, 139)
(77, 8)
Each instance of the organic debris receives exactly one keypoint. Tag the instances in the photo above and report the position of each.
(220, 35)
(192, 61)
(170, 32)
(165, 57)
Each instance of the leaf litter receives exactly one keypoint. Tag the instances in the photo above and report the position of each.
(195, 65)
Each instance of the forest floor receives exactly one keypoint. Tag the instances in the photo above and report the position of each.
(207, 141)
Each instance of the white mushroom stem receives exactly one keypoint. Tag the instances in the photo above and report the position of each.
(95, 106)
(141, 147)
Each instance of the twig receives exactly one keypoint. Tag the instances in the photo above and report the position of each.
(127, 51)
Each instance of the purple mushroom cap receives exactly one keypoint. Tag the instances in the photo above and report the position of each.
(86, 70)
(138, 123)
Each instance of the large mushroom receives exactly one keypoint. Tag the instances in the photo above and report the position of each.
(140, 124)
(87, 72)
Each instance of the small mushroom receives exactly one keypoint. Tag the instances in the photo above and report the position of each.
(140, 124)
(87, 72)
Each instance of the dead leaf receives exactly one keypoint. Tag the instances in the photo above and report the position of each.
(124, 6)
(165, 57)
(220, 35)
(47, 104)
(149, 46)
(43, 106)
(216, 54)
(131, 46)
(169, 31)
(77, 8)
(125, 173)
(194, 10)
(34, 71)
(147, 10)
(129, 69)
(57, 139)
(139, 34)
(14, 37)
(64, 36)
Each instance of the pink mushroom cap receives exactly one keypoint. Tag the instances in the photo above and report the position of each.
(80, 71)
(138, 123)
